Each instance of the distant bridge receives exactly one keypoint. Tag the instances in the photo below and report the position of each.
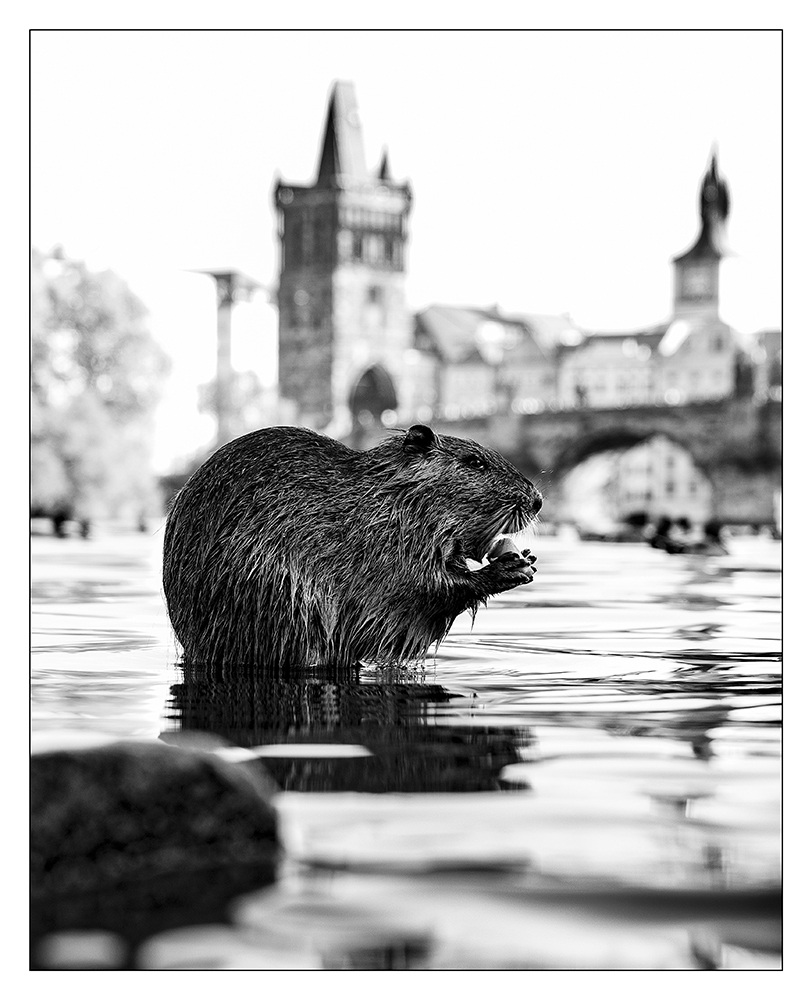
(735, 442)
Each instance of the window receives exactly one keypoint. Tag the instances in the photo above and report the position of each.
(344, 245)
(374, 248)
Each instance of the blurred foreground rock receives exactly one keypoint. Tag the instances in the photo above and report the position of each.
(138, 837)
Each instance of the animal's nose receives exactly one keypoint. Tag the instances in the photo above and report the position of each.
(537, 503)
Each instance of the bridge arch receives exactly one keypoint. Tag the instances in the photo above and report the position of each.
(578, 449)
(560, 440)
(567, 440)
(604, 478)
(734, 442)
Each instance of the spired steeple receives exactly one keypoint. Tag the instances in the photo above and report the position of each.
(714, 208)
(342, 161)
(696, 271)
(714, 203)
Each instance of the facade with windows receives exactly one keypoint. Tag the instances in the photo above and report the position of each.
(609, 370)
(697, 360)
(484, 359)
(767, 361)
(659, 478)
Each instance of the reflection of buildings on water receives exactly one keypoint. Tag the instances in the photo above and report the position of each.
(692, 727)
(399, 721)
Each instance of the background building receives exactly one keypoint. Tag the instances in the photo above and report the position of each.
(343, 324)
(353, 361)
(767, 365)
(475, 360)
(660, 479)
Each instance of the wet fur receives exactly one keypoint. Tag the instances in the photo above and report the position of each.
(287, 547)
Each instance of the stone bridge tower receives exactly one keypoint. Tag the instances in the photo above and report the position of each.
(696, 271)
(343, 322)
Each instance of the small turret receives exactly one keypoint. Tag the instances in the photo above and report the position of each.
(383, 172)
(696, 271)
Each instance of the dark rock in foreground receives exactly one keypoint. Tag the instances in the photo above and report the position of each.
(136, 837)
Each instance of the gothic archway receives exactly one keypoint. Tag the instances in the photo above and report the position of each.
(373, 393)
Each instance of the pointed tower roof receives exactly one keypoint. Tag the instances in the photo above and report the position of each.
(383, 173)
(714, 208)
(342, 148)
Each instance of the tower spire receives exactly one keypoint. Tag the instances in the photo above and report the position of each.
(714, 208)
(383, 172)
(342, 148)
(696, 271)
(714, 205)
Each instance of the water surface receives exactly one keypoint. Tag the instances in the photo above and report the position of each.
(586, 776)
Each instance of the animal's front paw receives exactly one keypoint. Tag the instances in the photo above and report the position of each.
(512, 569)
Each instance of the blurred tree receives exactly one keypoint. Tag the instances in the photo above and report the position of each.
(96, 375)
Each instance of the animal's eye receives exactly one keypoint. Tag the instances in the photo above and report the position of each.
(474, 462)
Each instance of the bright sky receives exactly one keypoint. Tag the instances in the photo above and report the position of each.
(551, 171)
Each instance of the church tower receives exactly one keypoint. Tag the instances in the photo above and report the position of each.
(343, 323)
(696, 272)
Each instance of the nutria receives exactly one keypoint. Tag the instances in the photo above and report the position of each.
(287, 547)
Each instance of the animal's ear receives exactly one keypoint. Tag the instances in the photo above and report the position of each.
(419, 440)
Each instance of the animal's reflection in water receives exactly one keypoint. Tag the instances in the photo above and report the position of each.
(391, 713)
